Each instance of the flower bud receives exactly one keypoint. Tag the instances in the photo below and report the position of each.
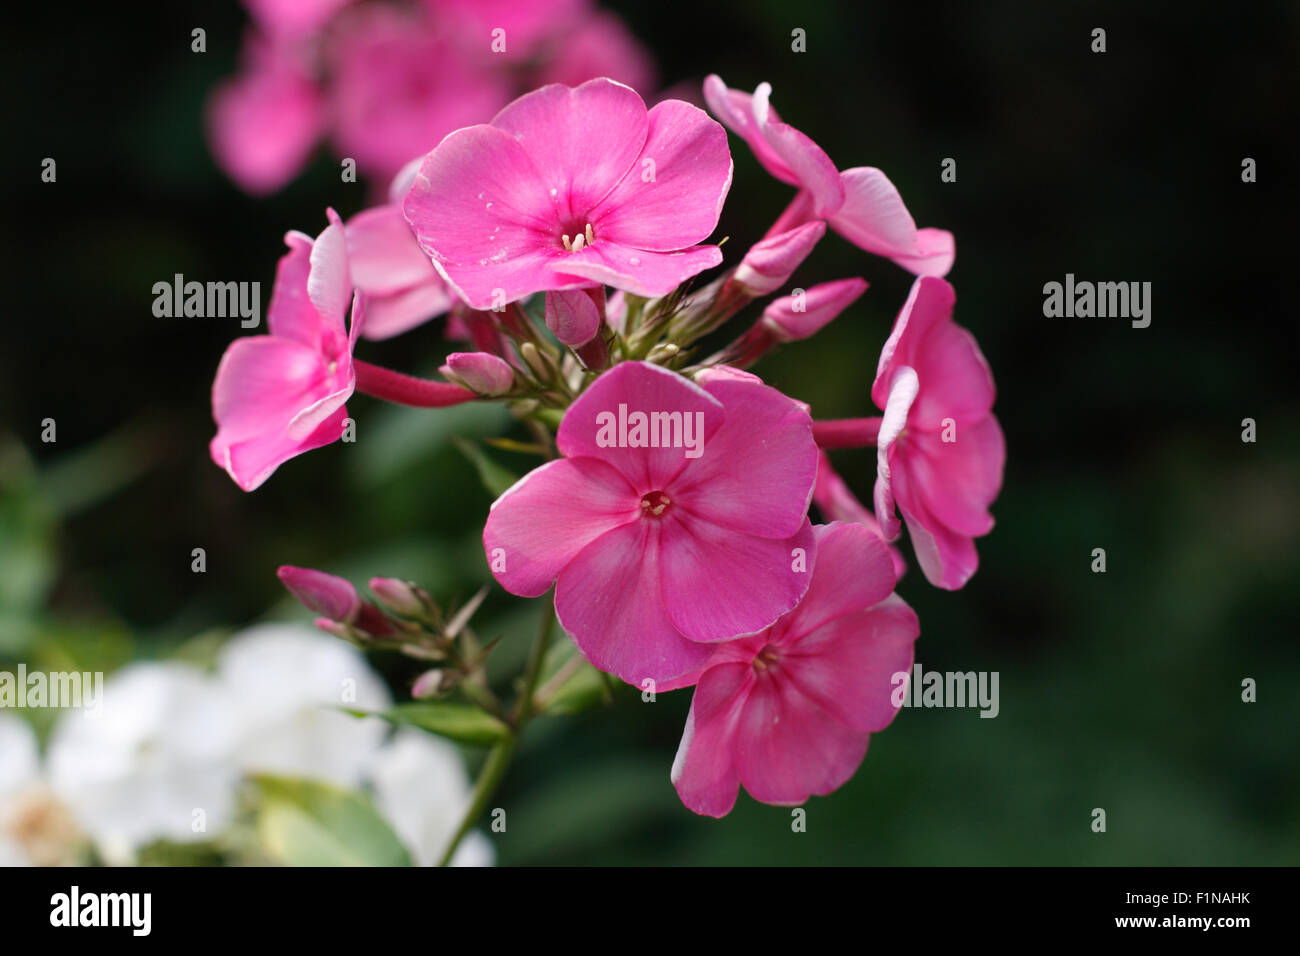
(769, 264)
(480, 372)
(401, 597)
(325, 594)
(433, 683)
(573, 315)
(799, 316)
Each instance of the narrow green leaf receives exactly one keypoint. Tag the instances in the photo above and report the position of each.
(495, 478)
(451, 719)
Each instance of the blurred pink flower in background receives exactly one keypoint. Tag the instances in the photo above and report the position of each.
(383, 82)
(940, 450)
(788, 712)
(264, 122)
(657, 553)
(525, 204)
(398, 88)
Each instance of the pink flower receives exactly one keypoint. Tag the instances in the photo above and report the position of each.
(401, 286)
(572, 187)
(861, 204)
(662, 551)
(940, 451)
(264, 123)
(279, 395)
(788, 712)
(398, 89)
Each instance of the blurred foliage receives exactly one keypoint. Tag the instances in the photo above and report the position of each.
(1118, 690)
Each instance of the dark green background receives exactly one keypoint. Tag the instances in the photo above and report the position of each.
(1118, 690)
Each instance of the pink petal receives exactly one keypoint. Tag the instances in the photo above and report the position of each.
(735, 110)
(263, 126)
(704, 770)
(947, 558)
(290, 314)
(812, 168)
(545, 519)
(720, 584)
(838, 503)
(902, 394)
(582, 141)
(787, 748)
(757, 471)
(672, 196)
(955, 381)
(853, 572)
(873, 217)
(607, 598)
(642, 273)
(383, 253)
(847, 665)
(640, 386)
(322, 593)
(329, 279)
(390, 315)
(480, 208)
(958, 480)
(253, 460)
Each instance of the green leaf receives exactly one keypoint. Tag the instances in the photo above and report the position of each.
(456, 721)
(495, 478)
(307, 823)
(583, 687)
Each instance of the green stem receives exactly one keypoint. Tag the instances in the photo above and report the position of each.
(498, 758)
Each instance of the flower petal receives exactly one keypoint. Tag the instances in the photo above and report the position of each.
(704, 770)
(719, 584)
(958, 480)
(757, 471)
(545, 519)
(608, 599)
(582, 140)
(479, 208)
(672, 196)
(590, 426)
(383, 253)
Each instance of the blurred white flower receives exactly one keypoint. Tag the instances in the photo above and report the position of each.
(19, 770)
(288, 683)
(422, 790)
(156, 764)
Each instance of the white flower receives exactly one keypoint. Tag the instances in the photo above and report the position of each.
(421, 788)
(155, 764)
(19, 770)
(289, 683)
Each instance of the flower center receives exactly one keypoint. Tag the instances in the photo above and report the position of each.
(578, 242)
(766, 657)
(654, 504)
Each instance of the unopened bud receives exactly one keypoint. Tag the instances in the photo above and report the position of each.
(573, 315)
(433, 683)
(480, 372)
(770, 262)
(798, 316)
(325, 594)
(400, 597)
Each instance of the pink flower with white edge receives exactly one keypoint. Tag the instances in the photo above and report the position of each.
(676, 519)
(940, 451)
(567, 188)
(264, 123)
(787, 713)
(401, 286)
(276, 396)
(861, 204)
